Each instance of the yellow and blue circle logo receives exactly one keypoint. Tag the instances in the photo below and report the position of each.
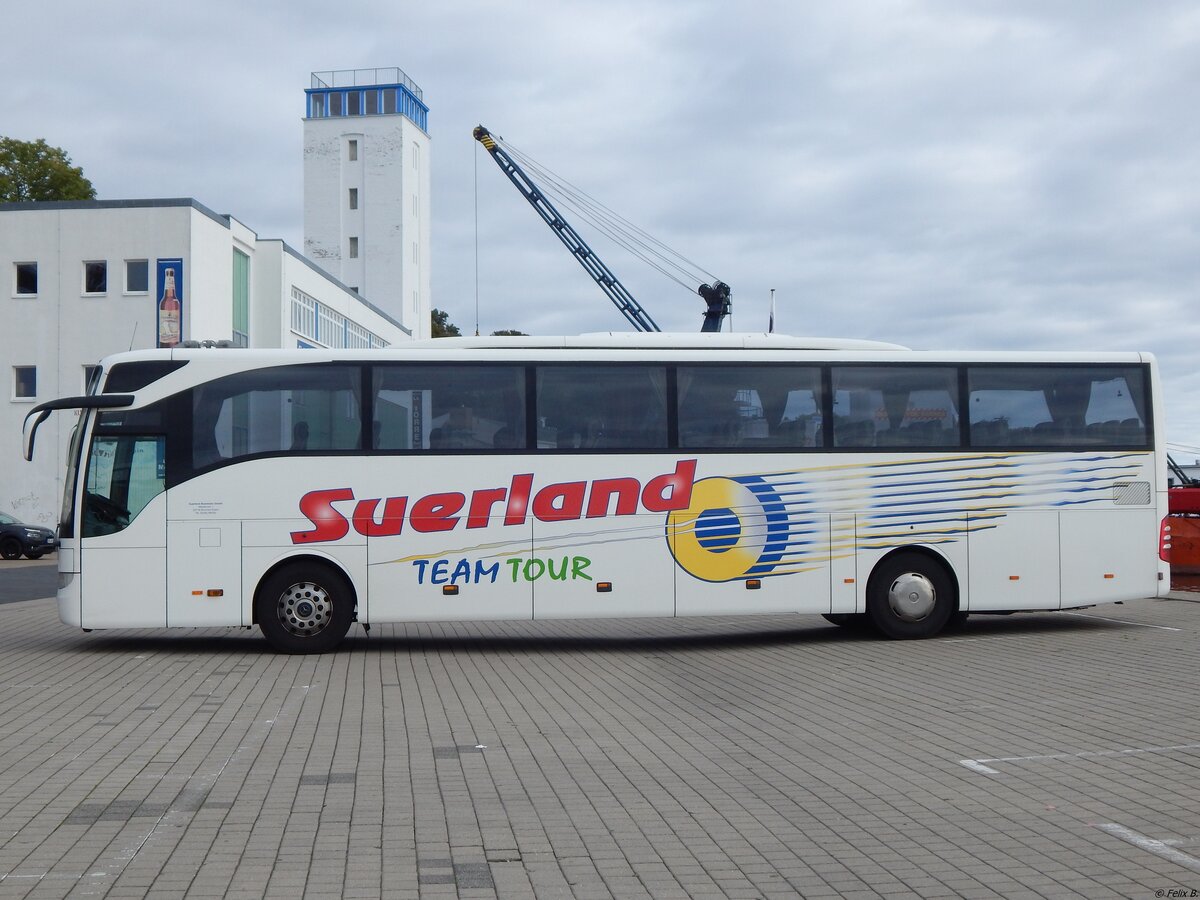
(733, 528)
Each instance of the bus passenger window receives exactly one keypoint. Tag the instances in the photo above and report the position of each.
(287, 409)
(446, 408)
(602, 407)
(1057, 406)
(761, 406)
(895, 406)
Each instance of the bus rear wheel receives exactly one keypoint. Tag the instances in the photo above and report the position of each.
(305, 608)
(910, 595)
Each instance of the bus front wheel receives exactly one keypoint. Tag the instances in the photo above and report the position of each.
(305, 608)
(910, 595)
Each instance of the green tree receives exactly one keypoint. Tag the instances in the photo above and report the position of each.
(507, 331)
(33, 170)
(441, 324)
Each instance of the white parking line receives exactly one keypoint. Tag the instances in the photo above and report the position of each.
(977, 765)
(1158, 848)
(1121, 621)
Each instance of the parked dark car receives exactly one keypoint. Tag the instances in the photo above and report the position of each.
(17, 538)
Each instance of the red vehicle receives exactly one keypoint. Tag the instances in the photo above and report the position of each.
(1183, 502)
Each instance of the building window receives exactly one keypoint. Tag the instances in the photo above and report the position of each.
(354, 248)
(372, 98)
(137, 276)
(321, 325)
(24, 382)
(90, 374)
(25, 279)
(354, 103)
(352, 146)
(318, 106)
(241, 299)
(95, 277)
(389, 101)
(335, 104)
(354, 198)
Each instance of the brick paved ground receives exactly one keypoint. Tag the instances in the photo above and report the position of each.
(758, 757)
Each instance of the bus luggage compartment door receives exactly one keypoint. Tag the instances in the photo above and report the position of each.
(204, 573)
(1108, 555)
(600, 568)
(1013, 561)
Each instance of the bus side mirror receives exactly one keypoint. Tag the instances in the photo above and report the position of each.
(28, 432)
(42, 411)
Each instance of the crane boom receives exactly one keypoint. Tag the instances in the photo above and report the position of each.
(593, 264)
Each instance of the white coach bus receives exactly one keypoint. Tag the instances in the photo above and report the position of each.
(610, 475)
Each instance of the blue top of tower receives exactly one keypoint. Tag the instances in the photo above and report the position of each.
(366, 92)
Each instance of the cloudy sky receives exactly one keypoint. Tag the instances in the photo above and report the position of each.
(974, 175)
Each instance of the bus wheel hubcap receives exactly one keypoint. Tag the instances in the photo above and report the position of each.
(305, 609)
(912, 597)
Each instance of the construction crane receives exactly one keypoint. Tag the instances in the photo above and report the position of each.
(717, 295)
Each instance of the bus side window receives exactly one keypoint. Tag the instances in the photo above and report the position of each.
(286, 409)
(896, 406)
(1057, 406)
(445, 408)
(604, 407)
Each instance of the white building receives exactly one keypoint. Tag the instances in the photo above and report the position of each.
(366, 188)
(81, 280)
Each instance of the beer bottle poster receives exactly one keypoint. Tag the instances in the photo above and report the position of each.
(170, 302)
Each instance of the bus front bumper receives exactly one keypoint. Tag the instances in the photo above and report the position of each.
(69, 601)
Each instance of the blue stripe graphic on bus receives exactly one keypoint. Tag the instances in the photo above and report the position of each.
(778, 523)
(717, 530)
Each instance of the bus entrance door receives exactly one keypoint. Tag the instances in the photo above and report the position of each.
(122, 547)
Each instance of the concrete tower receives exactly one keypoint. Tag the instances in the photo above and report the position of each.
(366, 188)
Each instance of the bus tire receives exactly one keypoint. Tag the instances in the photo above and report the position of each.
(305, 607)
(910, 595)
